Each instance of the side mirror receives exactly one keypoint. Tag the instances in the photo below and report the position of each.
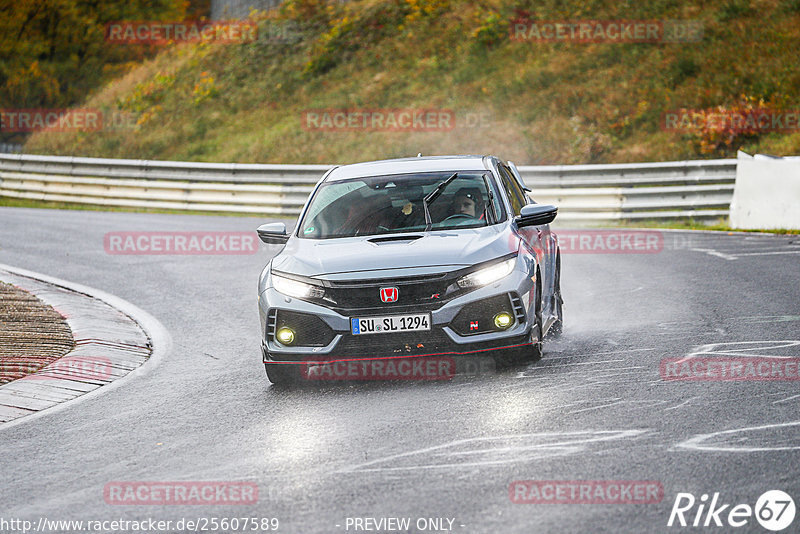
(536, 214)
(273, 233)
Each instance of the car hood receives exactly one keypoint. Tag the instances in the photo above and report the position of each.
(384, 255)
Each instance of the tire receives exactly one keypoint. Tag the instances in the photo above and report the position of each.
(534, 351)
(557, 327)
(280, 374)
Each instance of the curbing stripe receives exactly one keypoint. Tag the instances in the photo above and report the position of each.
(128, 340)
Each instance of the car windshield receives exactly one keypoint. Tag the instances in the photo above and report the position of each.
(394, 204)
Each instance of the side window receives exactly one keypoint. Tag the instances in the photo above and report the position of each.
(497, 200)
(514, 193)
(515, 185)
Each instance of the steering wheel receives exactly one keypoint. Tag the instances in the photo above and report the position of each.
(458, 216)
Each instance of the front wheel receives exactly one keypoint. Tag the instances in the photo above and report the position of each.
(557, 327)
(536, 335)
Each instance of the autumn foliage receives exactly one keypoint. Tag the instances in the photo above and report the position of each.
(54, 52)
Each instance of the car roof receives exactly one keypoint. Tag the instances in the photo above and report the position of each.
(408, 166)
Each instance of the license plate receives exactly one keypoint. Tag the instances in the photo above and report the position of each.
(390, 323)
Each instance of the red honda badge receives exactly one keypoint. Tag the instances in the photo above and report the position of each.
(389, 294)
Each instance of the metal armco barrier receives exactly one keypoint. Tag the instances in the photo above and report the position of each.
(700, 189)
(590, 194)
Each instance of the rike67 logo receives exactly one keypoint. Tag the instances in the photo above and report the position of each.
(774, 510)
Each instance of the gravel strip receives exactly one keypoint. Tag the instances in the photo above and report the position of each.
(32, 334)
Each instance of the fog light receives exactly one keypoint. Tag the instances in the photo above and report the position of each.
(286, 336)
(503, 320)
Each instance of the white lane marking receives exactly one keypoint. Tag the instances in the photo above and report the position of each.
(684, 403)
(713, 252)
(768, 253)
(733, 254)
(757, 319)
(786, 399)
(756, 247)
(743, 355)
(696, 443)
(566, 443)
(760, 346)
(786, 343)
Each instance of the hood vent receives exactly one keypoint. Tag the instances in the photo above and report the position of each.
(394, 239)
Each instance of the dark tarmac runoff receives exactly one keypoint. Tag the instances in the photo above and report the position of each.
(631, 420)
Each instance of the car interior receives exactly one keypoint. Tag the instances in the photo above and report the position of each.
(390, 208)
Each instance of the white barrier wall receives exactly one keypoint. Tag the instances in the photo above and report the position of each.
(767, 193)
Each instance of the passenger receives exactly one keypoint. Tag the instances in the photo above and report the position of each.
(365, 216)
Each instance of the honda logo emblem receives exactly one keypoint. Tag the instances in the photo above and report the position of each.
(389, 294)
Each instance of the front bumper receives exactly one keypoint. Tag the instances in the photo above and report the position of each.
(328, 337)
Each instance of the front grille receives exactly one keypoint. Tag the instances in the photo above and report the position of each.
(418, 293)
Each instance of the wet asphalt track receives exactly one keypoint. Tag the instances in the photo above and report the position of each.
(594, 407)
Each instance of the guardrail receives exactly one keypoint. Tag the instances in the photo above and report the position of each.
(701, 190)
(584, 193)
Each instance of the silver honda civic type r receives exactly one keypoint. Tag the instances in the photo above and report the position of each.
(410, 258)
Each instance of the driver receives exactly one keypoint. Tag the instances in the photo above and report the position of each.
(468, 201)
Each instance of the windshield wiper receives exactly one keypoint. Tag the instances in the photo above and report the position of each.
(433, 195)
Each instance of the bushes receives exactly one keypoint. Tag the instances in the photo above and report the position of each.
(492, 31)
(719, 130)
(352, 28)
(53, 53)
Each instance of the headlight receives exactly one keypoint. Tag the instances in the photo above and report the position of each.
(293, 288)
(487, 275)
